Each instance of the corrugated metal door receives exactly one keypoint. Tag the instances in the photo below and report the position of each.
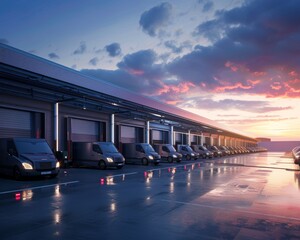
(128, 134)
(84, 130)
(158, 136)
(15, 123)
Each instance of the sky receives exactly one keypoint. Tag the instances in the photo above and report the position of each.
(233, 61)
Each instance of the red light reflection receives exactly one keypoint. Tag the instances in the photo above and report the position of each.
(18, 196)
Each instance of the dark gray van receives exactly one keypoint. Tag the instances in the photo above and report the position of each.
(21, 157)
(167, 152)
(203, 151)
(140, 153)
(97, 154)
(187, 152)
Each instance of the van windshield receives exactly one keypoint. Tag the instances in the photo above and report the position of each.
(148, 148)
(171, 148)
(33, 147)
(108, 148)
(189, 148)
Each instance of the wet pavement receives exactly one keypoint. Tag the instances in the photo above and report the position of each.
(254, 196)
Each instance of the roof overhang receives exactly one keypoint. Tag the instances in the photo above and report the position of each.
(26, 75)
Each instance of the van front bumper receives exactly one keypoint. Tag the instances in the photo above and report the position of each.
(36, 173)
(115, 164)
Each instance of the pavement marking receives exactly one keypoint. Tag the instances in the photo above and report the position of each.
(39, 187)
(121, 175)
(234, 210)
(257, 166)
(174, 166)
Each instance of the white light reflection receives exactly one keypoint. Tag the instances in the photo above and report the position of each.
(171, 187)
(113, 207)
(109, 180)
(148, 175)
(57, 191)
(27, 195)
(57, 218)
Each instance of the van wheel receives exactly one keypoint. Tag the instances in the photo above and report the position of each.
(17, 174)
(170, 159)
(102, 165)
(188, 157)
(145, 161)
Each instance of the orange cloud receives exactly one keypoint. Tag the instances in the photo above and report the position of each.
(180, 88)
(230, 65)
(236, 86)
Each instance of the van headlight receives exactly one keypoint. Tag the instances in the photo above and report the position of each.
(174, 156)
(150, 157)
(109, 159)
(192, 154)
(57, 164)
(27, 166)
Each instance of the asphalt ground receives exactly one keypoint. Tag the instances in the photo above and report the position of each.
(253, 196)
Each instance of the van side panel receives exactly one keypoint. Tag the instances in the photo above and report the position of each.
(83, 154)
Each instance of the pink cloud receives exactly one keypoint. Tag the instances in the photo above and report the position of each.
(182, 87)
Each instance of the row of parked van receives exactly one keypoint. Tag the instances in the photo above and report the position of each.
(296, 154)
(33, 157)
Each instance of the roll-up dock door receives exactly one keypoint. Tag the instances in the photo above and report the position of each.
(84, 130)
(18, 123)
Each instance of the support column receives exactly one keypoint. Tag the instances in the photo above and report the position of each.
(189, 138)
(147, 132)
(172, 135)
(112, 128)
(56, 117)
(219, 140)
(211, 141)
(202, 139)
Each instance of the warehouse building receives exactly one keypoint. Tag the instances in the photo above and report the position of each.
(42, 99)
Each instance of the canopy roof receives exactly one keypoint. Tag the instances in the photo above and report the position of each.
(28, 75)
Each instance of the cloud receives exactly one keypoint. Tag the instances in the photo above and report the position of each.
(247, 54)
(175, 48)
(113, 49)
(154, 19)
(4, 41)
(53, 56)
(252, 55)
(231, 104)
(247, 121)
(81, 49)
(94, 61)
(207, 5)
(138, 62)
(136, 72)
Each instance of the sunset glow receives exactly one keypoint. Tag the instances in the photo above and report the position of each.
(209, 57)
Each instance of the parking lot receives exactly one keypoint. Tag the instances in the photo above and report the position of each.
(253, 196)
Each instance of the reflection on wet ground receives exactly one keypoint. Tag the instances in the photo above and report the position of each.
(253, 196)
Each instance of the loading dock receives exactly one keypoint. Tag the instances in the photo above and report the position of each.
(63, 105)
